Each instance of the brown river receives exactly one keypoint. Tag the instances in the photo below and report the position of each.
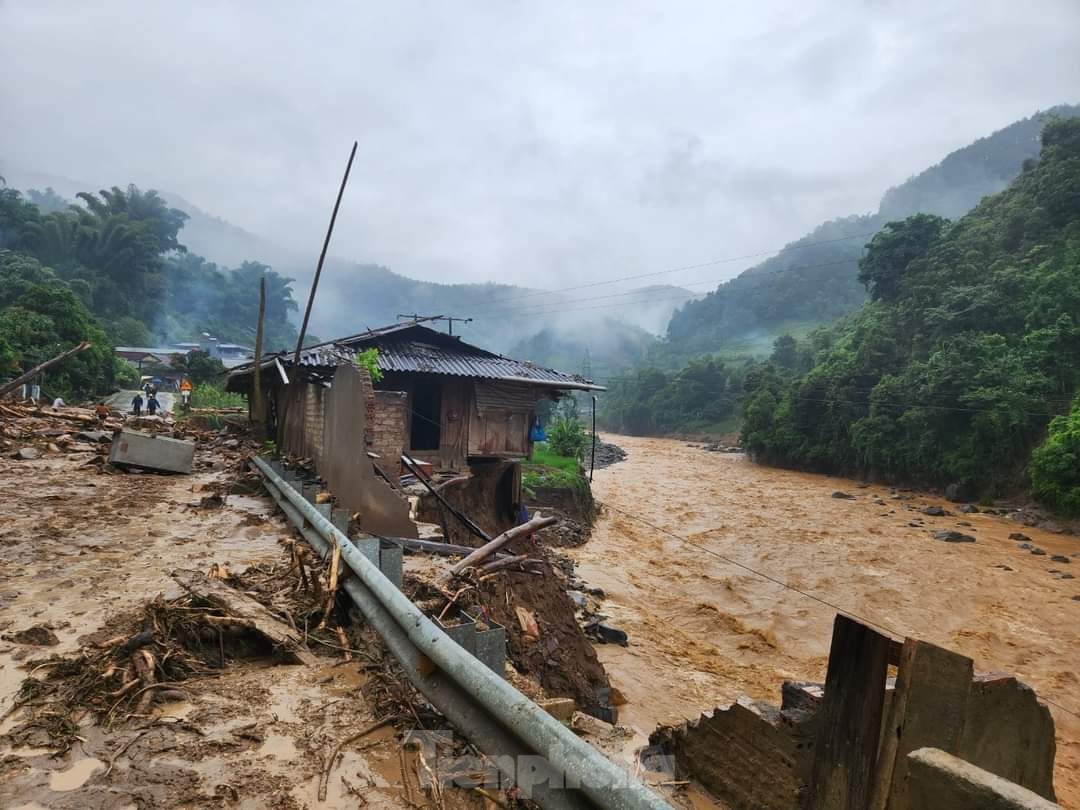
(704, 631)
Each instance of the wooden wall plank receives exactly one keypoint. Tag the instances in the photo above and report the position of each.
(927, 711)
(845, 751)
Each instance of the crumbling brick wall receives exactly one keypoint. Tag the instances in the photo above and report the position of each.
(313, 420)
(387, 412)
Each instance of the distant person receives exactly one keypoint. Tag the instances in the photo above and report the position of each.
(57, 404)
(102, 411)
(136, 405)
(152, 405)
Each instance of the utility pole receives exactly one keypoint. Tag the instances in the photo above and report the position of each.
(450, 320)
(417, 318)
(258, 405)
(322, 258)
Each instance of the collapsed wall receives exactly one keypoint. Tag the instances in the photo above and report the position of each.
(544, 639)
(753, 755)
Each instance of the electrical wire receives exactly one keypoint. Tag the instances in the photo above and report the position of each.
(777, 581)
(711, 263)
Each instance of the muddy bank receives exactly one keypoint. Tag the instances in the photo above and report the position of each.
(83, 552)
(703, 631)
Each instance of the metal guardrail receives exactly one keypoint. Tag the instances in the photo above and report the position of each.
(527, 744)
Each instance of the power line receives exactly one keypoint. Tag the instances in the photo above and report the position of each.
(777, 581)
(785, 249)
(550, 307)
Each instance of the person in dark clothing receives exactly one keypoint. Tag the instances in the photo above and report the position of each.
(136, 405)
(152, 405)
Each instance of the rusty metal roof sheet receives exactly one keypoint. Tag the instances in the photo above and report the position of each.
(416, 349)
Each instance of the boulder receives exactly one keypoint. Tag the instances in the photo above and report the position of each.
(953, 537)
(958, 491)
(968, 508)
(934, 511)
(27, 453)
(1019, 536)
(843, 495)
(1060, 558)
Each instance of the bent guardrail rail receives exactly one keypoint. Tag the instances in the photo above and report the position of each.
(545, 759)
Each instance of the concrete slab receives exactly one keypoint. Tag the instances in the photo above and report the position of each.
(938, 780)
(130, 448)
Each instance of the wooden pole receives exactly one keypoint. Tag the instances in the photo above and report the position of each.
(485, 551)
(592, 463)
(258, 405)
(29, 375)
(322, 258)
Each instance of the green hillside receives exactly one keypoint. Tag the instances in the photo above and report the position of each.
(815, 279)
(965, 352)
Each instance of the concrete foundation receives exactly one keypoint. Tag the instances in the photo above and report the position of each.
(937, 780)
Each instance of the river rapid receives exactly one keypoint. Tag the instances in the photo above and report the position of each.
(704, 631)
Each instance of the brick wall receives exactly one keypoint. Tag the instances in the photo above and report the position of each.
(387, 420)
(313, 420)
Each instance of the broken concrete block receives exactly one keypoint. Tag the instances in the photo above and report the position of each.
(131, 448)
(562, 709)
(731, 749)
(1008, 732)
(28, 454)
(939, 780)
(592, 726)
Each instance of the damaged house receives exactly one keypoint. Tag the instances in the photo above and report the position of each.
(438, 400)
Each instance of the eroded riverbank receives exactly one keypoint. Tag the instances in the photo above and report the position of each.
(703, 631)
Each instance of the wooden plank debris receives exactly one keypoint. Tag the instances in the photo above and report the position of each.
(927, 711)
(250, 613)
(845, 751)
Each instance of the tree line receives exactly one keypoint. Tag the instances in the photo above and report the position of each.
(962, 366)
(111, 269)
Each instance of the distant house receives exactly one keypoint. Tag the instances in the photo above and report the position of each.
(160, 358)
(440, 399)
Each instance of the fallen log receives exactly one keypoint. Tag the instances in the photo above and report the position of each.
(6, 388)
(534, 525)
(242, 609)
(504, 562)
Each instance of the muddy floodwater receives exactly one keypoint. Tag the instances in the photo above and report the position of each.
(704, 631)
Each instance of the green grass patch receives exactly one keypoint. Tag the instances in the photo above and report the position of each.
(206, 395)
(548, 469)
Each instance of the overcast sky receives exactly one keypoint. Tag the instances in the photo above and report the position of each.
(542, 143)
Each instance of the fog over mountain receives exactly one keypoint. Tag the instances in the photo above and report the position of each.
(542, 146)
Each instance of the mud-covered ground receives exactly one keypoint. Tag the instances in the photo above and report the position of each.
(78, 548)
(703, 631)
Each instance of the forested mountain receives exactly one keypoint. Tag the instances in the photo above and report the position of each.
(814, 280)
(111, 269)
(966, 351)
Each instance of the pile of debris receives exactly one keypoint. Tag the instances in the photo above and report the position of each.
(154, 654)
(32, 433)
(608, 454)
(720, 447)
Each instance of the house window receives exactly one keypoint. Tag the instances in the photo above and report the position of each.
(426, 415)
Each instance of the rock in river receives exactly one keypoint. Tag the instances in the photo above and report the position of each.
(954, 537)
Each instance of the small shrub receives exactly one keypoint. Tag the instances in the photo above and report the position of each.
(567, 437)
(205, 395)
(369, 359)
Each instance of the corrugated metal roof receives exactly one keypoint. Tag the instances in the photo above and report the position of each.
(415, 356)
(415, 349)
